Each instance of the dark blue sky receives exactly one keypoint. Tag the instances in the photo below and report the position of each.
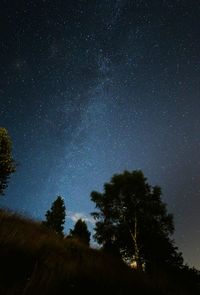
(91, 88)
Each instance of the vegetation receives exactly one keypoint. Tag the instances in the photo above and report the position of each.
(133, 222)
(80, 232)
(35, 260)
(132, 225)
(55, 217)
(7, 164)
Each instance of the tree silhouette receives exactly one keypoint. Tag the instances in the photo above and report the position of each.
(7, 164)
(133, 222)
(55, 217)
(81, 232)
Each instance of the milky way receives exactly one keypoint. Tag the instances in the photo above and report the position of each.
(91, 88)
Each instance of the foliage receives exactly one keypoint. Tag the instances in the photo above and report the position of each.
(133, 222)
(35, 260)
(55, 217)
(81, 232)
(7, 164)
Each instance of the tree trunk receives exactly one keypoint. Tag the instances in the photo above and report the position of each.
(135, 241)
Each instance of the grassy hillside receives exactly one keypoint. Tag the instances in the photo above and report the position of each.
(36, 261)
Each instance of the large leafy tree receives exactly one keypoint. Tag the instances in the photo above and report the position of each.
(7, 164)
(55, 217)
(81, 232)
(131, 220)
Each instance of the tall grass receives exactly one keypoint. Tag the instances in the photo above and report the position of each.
(34, 260)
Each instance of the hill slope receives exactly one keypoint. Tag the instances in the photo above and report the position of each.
(36, 261)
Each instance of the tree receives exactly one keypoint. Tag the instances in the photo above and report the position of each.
(55, 217)
(133, 221)
(81, 232)
(7, 164)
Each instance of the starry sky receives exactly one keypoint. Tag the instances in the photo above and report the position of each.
(91, 88)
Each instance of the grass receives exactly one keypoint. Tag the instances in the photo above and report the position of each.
(34, 260)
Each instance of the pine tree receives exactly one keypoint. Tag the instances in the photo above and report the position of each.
(55, 217)
(81, 232)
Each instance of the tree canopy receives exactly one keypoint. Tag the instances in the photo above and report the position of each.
(55, 217)
(81, 232)
(132, 221)
(7, 164)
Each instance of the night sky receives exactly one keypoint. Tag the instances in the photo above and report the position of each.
(91, 88)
